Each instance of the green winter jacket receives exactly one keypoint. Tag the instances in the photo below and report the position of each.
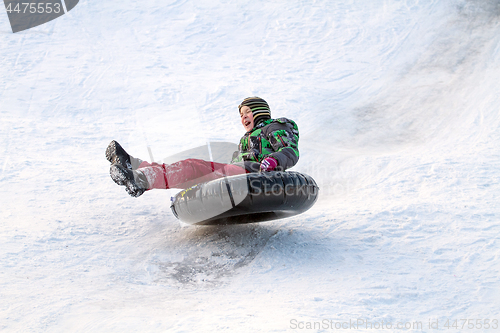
(278, 138)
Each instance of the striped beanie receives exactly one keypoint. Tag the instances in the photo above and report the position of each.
(259, 107)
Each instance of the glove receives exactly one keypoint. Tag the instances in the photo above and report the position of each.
(268, 164)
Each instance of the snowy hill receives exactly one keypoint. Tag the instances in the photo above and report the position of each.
(398, 108)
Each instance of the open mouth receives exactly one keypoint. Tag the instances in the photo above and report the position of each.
(247, 123)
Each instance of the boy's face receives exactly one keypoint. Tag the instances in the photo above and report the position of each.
(246, 118)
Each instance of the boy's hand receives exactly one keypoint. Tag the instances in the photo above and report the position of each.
(268, 164)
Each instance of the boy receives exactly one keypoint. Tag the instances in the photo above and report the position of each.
(268, 145)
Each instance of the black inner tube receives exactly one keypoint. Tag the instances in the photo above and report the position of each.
(248, 198)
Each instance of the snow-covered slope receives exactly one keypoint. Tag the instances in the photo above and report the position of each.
(398, 107)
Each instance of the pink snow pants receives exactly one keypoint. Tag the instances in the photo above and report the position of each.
(186, 173)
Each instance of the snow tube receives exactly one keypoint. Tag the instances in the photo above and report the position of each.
(247, 198)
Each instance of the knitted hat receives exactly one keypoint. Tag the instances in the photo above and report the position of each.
(260, 109)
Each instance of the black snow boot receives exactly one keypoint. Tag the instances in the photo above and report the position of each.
(135, 182)
(115, 154)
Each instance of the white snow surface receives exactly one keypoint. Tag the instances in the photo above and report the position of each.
(397, 103)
